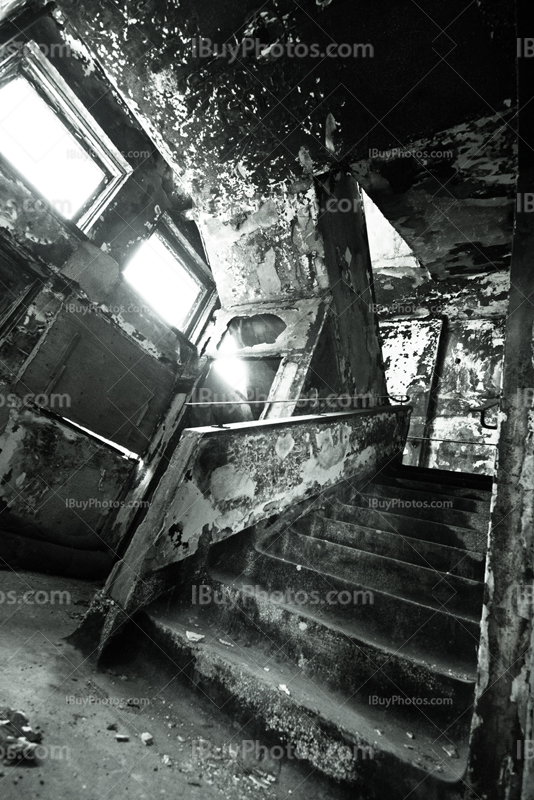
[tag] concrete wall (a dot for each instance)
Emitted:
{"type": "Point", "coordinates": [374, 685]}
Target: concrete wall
{"type": "Point", "coordinates": [502, 733]}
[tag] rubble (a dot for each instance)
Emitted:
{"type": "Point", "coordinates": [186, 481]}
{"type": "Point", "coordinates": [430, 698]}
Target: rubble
{"type": "Point", "coordinates": [17, 738]}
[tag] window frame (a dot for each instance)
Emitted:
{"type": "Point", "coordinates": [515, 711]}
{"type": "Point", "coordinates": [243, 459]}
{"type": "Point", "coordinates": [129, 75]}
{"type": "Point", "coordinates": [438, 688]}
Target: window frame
{"type": "Point", "coordinates": [197, 269]}
{"type": "Point", "coordinates": [29, 62]}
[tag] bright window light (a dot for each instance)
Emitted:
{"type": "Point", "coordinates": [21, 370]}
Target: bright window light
{"type": "Point", "coordinates": [231, 369]}
{"type": "Point", "coordinates": [162, 280]}
{"type": "Point", "coordinates": [39, 145]}
{"type": "Point", "coordinates": [387, 247]}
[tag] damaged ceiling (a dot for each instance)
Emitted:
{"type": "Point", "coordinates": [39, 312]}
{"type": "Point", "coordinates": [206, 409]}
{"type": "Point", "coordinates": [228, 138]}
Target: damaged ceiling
{"type": "Point", "coordinates": [240, 129]}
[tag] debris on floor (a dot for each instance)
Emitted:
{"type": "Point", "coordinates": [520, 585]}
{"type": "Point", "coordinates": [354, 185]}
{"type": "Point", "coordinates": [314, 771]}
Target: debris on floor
{"type": "Point", "coordinates": [18, 740]}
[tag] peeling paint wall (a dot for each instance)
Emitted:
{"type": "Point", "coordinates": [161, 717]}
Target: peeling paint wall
{"type": "Point", "coordinates": [60, 480]}
{"type": "Point", "coordinates": [74, 275]}
{"type": "Point", "coordinates": [206, 114]}
{"type": "Point", "coordinates": [455, 208]}
{"type": "Point", "coordinates": [410, 350]}
{"type": "Point", "coordinates": [220, 482]}
{"type": "Point", "coordinates": [470, 374]}
{"type": "Point", "coordinates": [273, 253]}
{"type": "Point", "coordinates": [499, 764]}
{"type": "Point", "coordinates": [348, 262]}
{"type": "Point", "coordinates": [447, 368]}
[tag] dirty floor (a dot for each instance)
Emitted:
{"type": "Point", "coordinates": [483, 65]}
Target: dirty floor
{"type": "Point", "coordinates": [81, 709]}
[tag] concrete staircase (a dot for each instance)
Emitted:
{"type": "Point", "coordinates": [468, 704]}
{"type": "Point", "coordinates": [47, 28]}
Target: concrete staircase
{"type": "Point", "coordinates": [352, 632]}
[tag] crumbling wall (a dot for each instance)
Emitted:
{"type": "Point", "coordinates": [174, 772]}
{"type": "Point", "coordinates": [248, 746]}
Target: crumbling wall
{"type": "Point", "coordinates": [470, 374]}
{"type": "Point", "coordinates": [68, 275]}
{"type": "Point", "coordinates": [447, 367]}
{"type": "Point", "coordinates": [221, 481]}
{"type": "Point", "coordinates": [62, 481]}
{"type": "Point", "coordinates": [500, 762]}
{"type": "Point", "coordinates": [454, 204]}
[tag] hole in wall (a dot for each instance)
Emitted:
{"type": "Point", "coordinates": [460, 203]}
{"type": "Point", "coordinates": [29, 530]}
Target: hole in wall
{"type": "Point", "coordinates": [235, 390]}
{"type": "Point", "coordinates": [259, 329]}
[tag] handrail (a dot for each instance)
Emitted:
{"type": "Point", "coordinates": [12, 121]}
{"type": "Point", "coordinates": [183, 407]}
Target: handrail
{"type": "Point", "coordinates": [454, 441]}
{"type": "Point", "coordinates": [483, 409]}
{"type": "Point", "coordinates": [321, 417]}
{"type": "Point", "coordinates": [299, 400]}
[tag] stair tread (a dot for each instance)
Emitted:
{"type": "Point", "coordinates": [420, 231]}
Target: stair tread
{"type": "Point", "coordinates": [386, 558]}
{"type": "Point", "coordinates": [447, 548]}
{"type": "Point", "coordinates": [482, 507]}
{"type": "Point", "coordinates": [457, 561]}
{"type": "Point", "coordinates": [452, 476]}
{"type": "Point", "coordinates": [449, 667]}
{"type": "Point", "coordinates": [475, 494]}
{"type": "Point", "coordinates": [357, 507]}
{"type": "Point", "coordinates": [391, 565]}
{"type": "Point", "coordinates": [400, 521]}
{"type": "Point", "coordinates": [357, 723]}
{"type": "Point", "coordinates": [446, 516]}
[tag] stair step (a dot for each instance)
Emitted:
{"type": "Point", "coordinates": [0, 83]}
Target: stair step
{"type": "Point", "coordinates": [465, 479]}
{"type": "Point", "coordinates": [480, 496]}
{"type": "Point", "coordinates": [411, 507]}
{"type": "Point", "coordinates": [466, 564]}
{"type": "Point", "coordinates": [406, 580]}
{"type": "Point", "coordinates": [319, 724]}
{"type": "Point", "coordinates": [408, 626]}
{"type": "Point", "coordinates": [448, 506]}
{"type": "Point", "coordinates": [430, 531]}
{"type": "Point", "coordinates": [346, 656]}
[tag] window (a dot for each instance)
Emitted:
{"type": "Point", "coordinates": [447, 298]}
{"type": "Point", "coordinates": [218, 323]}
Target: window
{"type": "Point", "coordinates": [49, 138]}
{"type": "Point", "coordinates": [168, 273]}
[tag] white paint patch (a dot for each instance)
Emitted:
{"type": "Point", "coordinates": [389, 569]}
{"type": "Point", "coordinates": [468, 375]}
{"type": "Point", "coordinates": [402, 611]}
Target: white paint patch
{"type": "Point", "coordinates": [268, 276]}
{"type": "Point", "coordinates": [229, 483]}
{"type": "Point", "coordinates": [284, 445]}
